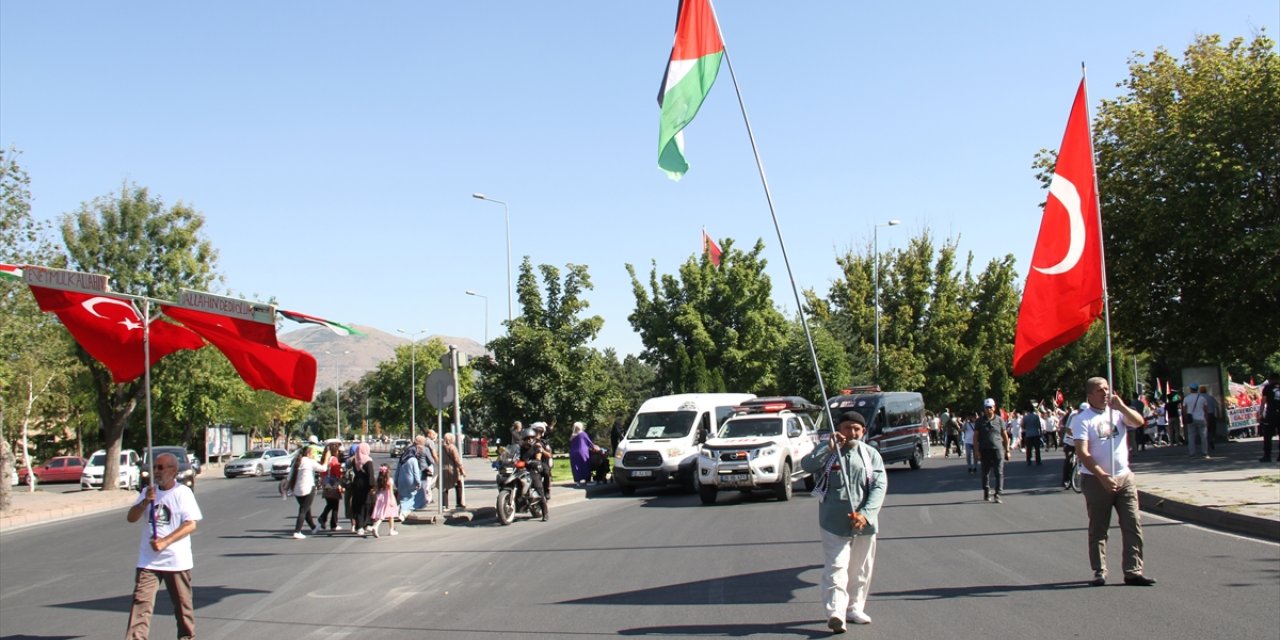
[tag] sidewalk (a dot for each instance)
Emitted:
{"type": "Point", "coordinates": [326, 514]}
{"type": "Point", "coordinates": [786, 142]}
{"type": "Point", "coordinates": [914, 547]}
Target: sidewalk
{"type": "Point", "coordinates": [1231, 491]}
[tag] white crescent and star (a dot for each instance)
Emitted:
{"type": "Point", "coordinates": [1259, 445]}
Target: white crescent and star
{"type": "Point", "coordinates": [91, 305]}
{"type": "Point", "coordinates": [1066, 193]}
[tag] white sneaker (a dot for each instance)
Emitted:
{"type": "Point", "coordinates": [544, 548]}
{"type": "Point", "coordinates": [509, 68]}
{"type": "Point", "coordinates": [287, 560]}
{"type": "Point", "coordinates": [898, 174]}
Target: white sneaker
{"type": "Point", "coordinates": [394, 532]}
{"type": "Point", "coordinates": [298, 535]}
{"type": "Point", "coordinates": [858, 617]}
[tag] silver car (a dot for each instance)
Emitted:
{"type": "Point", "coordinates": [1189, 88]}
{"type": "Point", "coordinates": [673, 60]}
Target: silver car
{"type": "Point", "coordinates": [253, 463]}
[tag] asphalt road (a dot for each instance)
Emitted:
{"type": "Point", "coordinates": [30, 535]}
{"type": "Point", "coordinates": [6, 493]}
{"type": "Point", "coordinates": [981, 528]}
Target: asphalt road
{"type": "Point", "coordinates": [656, 564]}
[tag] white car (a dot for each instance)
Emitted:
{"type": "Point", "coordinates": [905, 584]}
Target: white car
{"type": "Point", "coordinates": [759, 448]}
{"type": "Point", "coordinates": [280, 465]}
{"type": "Point", "coordinates": [253, 463]}
{"type": "Point", "coordinates": [91, 477]}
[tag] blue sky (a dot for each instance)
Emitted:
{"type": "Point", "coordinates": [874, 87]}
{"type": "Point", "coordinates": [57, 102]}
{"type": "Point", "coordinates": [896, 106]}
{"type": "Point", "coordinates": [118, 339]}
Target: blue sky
{"type": "Point", "coordinates": [333, 147]}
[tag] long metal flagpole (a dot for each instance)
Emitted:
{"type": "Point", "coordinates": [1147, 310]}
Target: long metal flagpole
{"type": "Point", "coordinates": [146, 383]}
{"type": "Point", "coordinates": [1102, 257]}
{"type": "Point", "coordinates": [764, 181]}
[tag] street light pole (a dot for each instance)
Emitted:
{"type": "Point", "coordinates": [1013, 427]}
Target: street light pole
{"type": "Point", "coordinates": [875, 267]}
{"type": "Point", "coordinates": [413, 378]}
{"type": "Point", "coordinates": [486, 315]}
{"type": "Point", "coordinates": [507, 218]}
{"type": "Point", "coordinates": [337, 393]}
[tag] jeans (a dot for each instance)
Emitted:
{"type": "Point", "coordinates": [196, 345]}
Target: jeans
{"type": "Point", "coordinates": [1197, 431]}
{"type": "Point", "coordinates": [304, 512]}
{"type": "Point", "coordinates": [968, 456]}
{"type": "Point", "coordinates": [992, 460]}
{"type": "Point", "coordinates": [330, 511]}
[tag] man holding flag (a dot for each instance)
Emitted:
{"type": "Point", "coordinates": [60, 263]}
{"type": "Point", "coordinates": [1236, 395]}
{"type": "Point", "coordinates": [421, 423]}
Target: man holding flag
{"type": "Point", "coordinates": [1101, 432]}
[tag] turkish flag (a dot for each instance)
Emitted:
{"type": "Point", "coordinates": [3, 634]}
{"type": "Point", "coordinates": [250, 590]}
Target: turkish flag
{"type": "Point", "coordinates": [712, 250]}
{"type": "Point", "coordinates": [261, 360]}
{"type": "Point", "coordinates": [110, 330]}
{"type": "Point", "coordinates": [1063, 295]}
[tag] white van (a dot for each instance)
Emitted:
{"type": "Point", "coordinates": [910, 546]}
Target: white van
{"type": "Point", "coordinates": [661, 445]}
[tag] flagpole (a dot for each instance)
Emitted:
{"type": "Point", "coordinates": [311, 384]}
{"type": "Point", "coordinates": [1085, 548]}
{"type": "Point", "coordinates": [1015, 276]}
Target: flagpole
{"type": "Point", "coordinates": [1102, 257]}
{"type": "Point", "coordinates": [146, 383]}
{"type": "Point", "coordinates": [764, 181]}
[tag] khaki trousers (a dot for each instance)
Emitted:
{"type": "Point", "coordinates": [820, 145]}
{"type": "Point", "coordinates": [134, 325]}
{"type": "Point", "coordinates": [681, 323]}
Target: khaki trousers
{"type": "Point", "coordinates": [846, 575]}
{"type": "Point", "coordinates": [1099, 502]}
{"type": "Point", "coordinates": [146, 583]}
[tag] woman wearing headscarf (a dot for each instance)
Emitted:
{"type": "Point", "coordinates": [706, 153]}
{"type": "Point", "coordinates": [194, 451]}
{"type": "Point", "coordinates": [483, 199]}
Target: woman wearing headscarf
{"type": "Point", "coordinates": [451, 467]}
{"type": "Point", "coordinates": [580, 448]}
{"type": "Point", "coordinates": [361, 485]}
{"type": "Point", "coordinates": [331, 484]}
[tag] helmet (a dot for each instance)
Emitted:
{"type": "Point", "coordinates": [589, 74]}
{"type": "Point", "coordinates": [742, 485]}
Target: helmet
{"type": "Point", "coordinates": [525, 434]}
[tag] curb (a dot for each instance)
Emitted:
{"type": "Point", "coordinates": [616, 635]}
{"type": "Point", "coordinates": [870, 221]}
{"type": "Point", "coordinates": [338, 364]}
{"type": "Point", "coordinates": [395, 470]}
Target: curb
{"type": "Point", "coordinates": [24, 520]}
{"type": "Point", "coordinates": [1208, 516]}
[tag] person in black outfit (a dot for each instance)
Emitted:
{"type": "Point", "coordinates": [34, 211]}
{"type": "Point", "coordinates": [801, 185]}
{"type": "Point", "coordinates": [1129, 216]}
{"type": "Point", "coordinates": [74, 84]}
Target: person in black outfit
{"type": "Point", "coordinates": [616, 434]}
{"type": "Point", "coordinates": [1032, 430]}
{"type": "Point", "coordinates": [531, 452]}
{"type": "Point", "coordinates": [991, 441]}
{"type": "Point", "coordinates": [361, 485]}
{"type": "Point", "coordinates": [1270, 418]}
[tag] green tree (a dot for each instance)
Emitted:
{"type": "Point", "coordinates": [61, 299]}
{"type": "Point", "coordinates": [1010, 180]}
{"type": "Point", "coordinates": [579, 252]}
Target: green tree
{"type": "Point", "coordinates": [36, 371]}
{"type": "Point", "coordinates": [795, 366]}
{"type": "Point", "coordinates": [993, 300]}
{"type": "Point", "coordinates": [148, 249]}
{"type": "Point", "coordinates": [543, 369]}
{"type": "Point", "coordinates": [715, 328]}
{"type": "Point", "coordinates": [1189, 175]}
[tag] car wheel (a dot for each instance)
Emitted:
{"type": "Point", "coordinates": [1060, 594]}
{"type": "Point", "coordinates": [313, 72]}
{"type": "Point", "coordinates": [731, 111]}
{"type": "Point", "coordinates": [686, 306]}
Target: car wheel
{"type": "Point", "coordinates": [782, 490]}
{"type": "Point", "coordinates": [707, 493]}
{"type": "Point", "coordinates": [917, 456]}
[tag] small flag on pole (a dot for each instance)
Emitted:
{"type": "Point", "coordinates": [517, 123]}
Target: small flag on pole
{"type": "Point", "coordinates": [691, 70]}
{"type": "Point", "coordinates": [10, 272]}
{"type": "Point", "coordinates": [710, 248]}
{"type": "Point", "coordinates": [340, 329]}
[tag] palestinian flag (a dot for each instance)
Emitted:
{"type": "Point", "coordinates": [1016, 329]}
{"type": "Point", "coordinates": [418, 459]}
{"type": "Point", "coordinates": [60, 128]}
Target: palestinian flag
{"type": "Point", "coordinates": [340, 329]}
{"type": "Point", "coordinates": [10, 272]}
{"type": "Point", "coordinates": [692, 69]}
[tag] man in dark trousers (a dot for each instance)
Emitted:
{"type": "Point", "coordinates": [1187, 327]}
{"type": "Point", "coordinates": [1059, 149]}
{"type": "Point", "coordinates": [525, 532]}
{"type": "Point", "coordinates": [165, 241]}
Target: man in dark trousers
{"type": "Point", "coordinates": [1269, 419]}
{"type": "Point", "coordinates": [1032, 428]}
{"type": "Point", "coordinates": [991, 442]}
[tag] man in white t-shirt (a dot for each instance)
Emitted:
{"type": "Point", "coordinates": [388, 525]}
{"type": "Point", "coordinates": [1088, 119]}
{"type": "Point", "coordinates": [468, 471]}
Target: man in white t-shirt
{"type": "Point", "coordinates": [1102, 444]}
{"type": "Point", "coordinates": [164, 554]}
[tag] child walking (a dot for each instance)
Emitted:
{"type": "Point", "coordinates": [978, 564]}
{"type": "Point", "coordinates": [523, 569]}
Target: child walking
{"type": "Point", "coordinates": [385, 506]}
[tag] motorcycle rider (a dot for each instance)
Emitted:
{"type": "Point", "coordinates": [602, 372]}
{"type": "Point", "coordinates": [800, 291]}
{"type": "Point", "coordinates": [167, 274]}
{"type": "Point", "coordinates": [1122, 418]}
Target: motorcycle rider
{"type": "Point", "coordinates": [532, 453]}
{"type": "Point", "coordinates": [540, 428]}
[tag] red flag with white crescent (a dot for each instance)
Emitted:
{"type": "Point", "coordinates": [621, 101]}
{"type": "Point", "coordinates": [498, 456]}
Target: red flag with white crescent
{"type": "Point", "coordinates": [1063, 295]}
{"type": "Point", "coordinates": [110, 329]}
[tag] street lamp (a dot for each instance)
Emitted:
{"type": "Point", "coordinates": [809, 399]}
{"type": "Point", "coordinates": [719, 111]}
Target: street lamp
{"type": "Point", "coordinates": [413, 378]}
{"type": "Point", "coordinates": [337, 393]}
{"type": "Point", "coordinates": [486, 315]}
{"type": "Point", "coordinates": [507, 217]}
{"type": "Point", "coordinates": [875, 235]}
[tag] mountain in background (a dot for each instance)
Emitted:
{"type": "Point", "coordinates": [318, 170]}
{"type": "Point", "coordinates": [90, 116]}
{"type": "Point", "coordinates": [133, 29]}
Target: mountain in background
{"type": "Point", "coordinates": [365, 351]}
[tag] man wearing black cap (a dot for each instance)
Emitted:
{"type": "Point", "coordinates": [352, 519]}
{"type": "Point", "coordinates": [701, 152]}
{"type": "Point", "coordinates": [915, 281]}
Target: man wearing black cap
{"type": "Point", "coordinates": [991, 441]}
{"type": "Point", "coordinates": [850, 487]}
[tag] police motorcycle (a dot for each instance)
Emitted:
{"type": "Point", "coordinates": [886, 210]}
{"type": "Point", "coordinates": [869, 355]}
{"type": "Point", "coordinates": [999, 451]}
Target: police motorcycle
{"type": "Point", "coordinates": [516, 489]}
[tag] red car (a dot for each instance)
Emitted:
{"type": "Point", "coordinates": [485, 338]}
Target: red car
{"type": "Point", "coordinates": [59, 469]}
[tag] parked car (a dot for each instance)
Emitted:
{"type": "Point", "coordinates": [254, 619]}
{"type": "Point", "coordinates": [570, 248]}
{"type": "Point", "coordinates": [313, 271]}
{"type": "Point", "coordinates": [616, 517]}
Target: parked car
{"type": "Point", "coordinates": [91, 477]}
{"type": "Point", "coordinates": [280, 466]}
{"type": "Point", "coordinates": [253, 463]}
{"type": "Point", "coordinates": [59, 469]}
{"type": "Point", "coordinates": [186, 472]}
{"type": "Point", "coordinates": [398, 446]}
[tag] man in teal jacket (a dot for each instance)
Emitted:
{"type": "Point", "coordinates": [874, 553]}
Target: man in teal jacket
{"type": "Point", "coordinates": [850, 486]}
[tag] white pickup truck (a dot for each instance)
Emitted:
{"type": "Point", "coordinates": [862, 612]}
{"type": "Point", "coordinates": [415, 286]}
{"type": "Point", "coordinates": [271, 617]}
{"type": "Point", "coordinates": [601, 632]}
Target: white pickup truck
{"type": "Point", "coordinates": [760, 447]}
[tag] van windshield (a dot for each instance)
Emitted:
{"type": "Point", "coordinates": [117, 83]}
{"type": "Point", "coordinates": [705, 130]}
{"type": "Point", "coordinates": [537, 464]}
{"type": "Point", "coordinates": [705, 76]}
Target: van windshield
{"type": "Point", "coordinates": [753, 428]}
{"type": "Point", "coordinates": [661, 425]}
{"type": "Point", "coordinates": [866, 410]}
